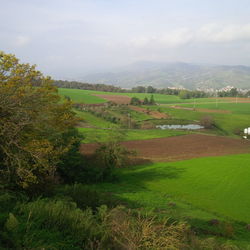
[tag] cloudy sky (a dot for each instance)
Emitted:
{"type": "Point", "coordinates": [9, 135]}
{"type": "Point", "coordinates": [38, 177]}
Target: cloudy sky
{"type": "Point", "coordinates": [70, 38]}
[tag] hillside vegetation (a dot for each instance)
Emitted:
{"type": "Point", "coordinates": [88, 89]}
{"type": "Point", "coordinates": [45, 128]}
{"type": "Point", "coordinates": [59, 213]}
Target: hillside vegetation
{"type": "Point", "coordinates": [162, 75]}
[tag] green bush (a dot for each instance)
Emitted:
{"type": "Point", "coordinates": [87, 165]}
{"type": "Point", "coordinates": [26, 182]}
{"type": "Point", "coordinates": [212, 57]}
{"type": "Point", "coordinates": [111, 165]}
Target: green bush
{"type": "Point", "coordinates": [53, 224]}
{"type": "Point", "coordinates": [85, 196]}
{"type": "Point", "coordinates": [108, 157]}
{"type": "Point", "coordinates": [60, 224]}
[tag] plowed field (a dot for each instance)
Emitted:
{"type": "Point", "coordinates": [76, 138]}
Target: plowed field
{"type": "Point", "coordinates": [182, 147]}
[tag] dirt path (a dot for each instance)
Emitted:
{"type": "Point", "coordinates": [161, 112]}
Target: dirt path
{"type": "Point", "coordinates": [182, 147]}
{"type": "Point", "coordinates": [119, 99]}
{"type": "Point", "coordinates": [154, 114]}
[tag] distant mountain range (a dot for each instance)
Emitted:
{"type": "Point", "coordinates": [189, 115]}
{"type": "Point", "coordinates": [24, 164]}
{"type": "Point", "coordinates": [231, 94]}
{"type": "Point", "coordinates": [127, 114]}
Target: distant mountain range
{"type": "Point", "coordinates": [186, 75]}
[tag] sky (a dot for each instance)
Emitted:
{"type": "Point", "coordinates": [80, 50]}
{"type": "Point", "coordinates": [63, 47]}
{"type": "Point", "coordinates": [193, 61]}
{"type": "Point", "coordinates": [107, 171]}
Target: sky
{"type": "Point", "coordinates": [68, 39]}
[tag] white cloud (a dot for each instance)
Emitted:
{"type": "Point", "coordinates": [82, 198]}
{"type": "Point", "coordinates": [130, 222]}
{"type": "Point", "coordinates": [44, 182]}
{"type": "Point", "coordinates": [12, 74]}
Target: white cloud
{"type": "Point", "coordinates": [210, 33]}
{"type": "Point", "coordinates": [217, 33]}
{"type": "Point", "coordinates": [171, 39]}
{"type": "Point", "coordinates": [22, 41]}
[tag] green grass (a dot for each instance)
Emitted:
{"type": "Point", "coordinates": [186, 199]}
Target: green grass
{"type": "Point", "coordinates": [214, 186]}
{"type": "Point", "coordinates": [87, 96]}
{"type": "Point", "coordinates": [202, 189]}
{"type": "Point", "coordinates": [228, 123]}
{"type": "Point", "coordinates": [235, 108]}
{"type": "Point", "coordinates": [92, 120]}
{"type": "Point", "coordinates": [80, 96]}
{"type": "Point", "coordinates": [103, 135]}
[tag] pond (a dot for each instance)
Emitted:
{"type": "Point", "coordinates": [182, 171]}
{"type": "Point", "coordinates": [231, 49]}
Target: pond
{"type": "Point", "coordinates": [188, 126]}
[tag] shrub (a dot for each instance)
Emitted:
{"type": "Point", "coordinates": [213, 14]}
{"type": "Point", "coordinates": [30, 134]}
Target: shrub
{"type": "Point", "coordinates": [85, 196]}
{"type": "Point", "coordinates": [60, 224]}
{"type": "Point", "coordinates": [135, 101]}
{"type": "Point", "coordinates": [109, 156]}
{"type": "Point", "coordinates": [207, 121]}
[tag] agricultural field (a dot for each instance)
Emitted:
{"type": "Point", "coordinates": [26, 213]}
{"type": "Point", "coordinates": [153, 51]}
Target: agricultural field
{"type": "Point", "coordinates": [92, 135]}
{"type": "Point", "coordinates": [80, 96]}
{"type": "Point", "coordinates": [196, 176]}
{"type": "Point", "coordinates": [197, 190]}
{"type": "Point", "coordinates": [90, 96]}
{"type": "Point", "coordinates": [229, 117]}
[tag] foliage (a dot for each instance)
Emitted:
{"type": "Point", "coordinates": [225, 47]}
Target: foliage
{"type": "Point", "coordinates": [152, 100]}
{"type": "Point", "coordinates": [207, 121]}
{"type": "Point", "coordinates": [33, 125]}
{"type": "Point", "coordinates": [135, 101]}
{"type": "Point", "coordinates": [87, 86]}
{"type": "Point", "coordinates": [72, 162]}
{"type": "Point", "coordinates": [109, 156]}
{"type": "Point", "coordinates": [145, 101]}
{"type": "Point", "coordinates": [60, 224]}
{"type": "Point", "coordinates": [86, 196]}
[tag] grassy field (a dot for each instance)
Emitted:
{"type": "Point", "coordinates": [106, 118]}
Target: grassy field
{"type": "Point", "coordinates": [92, 120]}
{"type": "Point", "coordinates": [103, 135]}
{"type": "Point", "coordinates": [218, 185]}
{"type": "Point", "coordinates": [87, 96]}
{"type": "Point", "coordinates": [80, 96]}
{"type": "Point", "coordinates": [228, 123]}
{"type": "Point", "coordinates": [235, 108]}
{"type": "Point", "coordinates": [201, 189]}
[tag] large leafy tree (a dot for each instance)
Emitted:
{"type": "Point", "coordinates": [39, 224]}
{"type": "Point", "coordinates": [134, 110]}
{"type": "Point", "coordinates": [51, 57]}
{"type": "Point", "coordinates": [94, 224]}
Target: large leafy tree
{"type": "Point", "coordinates": [34, 124]}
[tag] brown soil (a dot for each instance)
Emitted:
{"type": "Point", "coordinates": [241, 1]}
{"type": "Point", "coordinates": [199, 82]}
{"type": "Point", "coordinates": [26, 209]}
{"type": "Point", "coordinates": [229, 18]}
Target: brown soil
{"type": "Point", "coordinates": [119, 99]}
{"type": "Point", "coordinates": [204, 110]}
{"type": "Point", "coordinates": [182, 147]}
{"type": "Point", "coordinates": [154, 114]}
{"type": "Point", "coordinates": [180, 107]}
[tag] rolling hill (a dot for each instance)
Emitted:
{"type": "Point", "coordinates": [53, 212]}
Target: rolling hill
{"type": "Point", "coordinates": [161, 75]}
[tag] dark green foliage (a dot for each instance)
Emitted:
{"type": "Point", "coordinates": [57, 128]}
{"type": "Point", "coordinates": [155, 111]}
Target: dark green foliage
{"type": "Point", "coordinates": [207, 121]}
{"type": "Point", "coordinates": [67, 98]}
{"type": "Point", "coordinates": [151, 101]}
{"type": "Point", "coordinates": [109, 156]}
{"type": "Point", "coordinates": [150, 89]}
{"type": "Point", "coordinates": [87, 86]}
{"type": "Point", "coordinates": [72, 162]}
{"type": "Point", "coordinates": [145, 101]}
{"type": "Point", "coordinates": [51, 224]}
{"type": "Point", "coordinates": [187, 94]}
{"type": "Point", "coordinates": [135, 101]}
{"type": "Point", "coordinates": [231, 93]}
{"type": "Point", "coordinates": [86, 196]}
{"type": "Point", "coordinates": [139, 89]}
{"type": "Point", "coordinates": [61, 224]}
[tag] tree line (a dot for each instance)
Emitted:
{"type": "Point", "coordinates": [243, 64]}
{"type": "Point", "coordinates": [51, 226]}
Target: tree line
{"type": "Point", "coordinates": [87, 86]}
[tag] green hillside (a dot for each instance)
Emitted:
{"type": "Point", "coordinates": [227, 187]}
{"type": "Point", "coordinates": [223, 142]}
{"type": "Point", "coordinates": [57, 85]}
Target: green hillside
{"type": "Point", "coordinates": [216, 185]}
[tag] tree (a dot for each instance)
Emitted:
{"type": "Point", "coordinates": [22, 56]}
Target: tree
{"type": "Point", "coordinates": [109, 156]}
{"type": "Point", "coordinates": [150, 89]}
{"type": "Point", "coordinates": [145, 101]}
{"type": "Point", "coordinates": [152, 101]}
{"type": "Point", "coordinates": [184, 94]}
{"type": "Point", "coordinates": [207, 122]}
{"type": "Point", "coordinates": [139, 89]}
{"type": "Point", "coordinates": [34, 124]}
{"type": "Point", "coordinates": [135, 101]}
